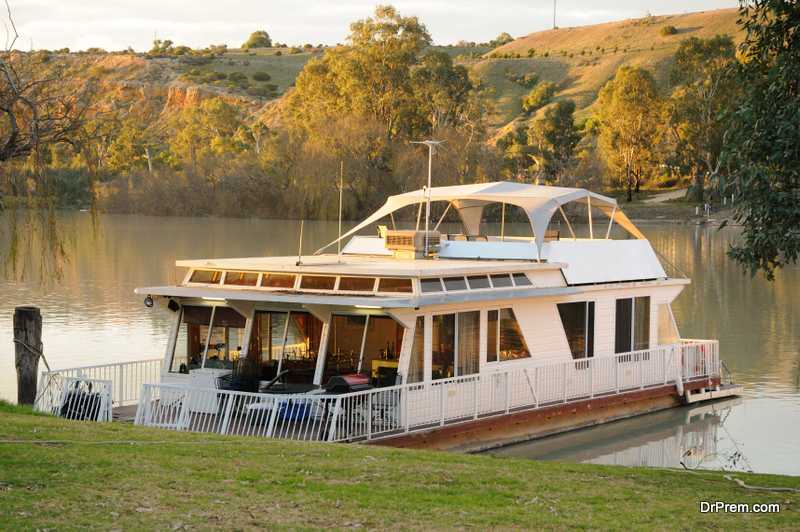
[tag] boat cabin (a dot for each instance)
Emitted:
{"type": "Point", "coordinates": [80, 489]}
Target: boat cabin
{"type": "Point", "coordinates": [415, 305]}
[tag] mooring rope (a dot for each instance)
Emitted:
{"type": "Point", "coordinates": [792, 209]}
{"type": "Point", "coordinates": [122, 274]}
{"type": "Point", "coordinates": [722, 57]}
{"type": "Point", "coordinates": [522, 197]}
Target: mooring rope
{"type": "Point", "coordinates": [35, 350]}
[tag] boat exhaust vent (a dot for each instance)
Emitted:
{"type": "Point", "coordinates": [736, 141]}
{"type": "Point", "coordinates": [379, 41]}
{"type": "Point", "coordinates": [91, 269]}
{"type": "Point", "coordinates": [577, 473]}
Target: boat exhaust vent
{"type": "Point", "coordinates": [404, 243]}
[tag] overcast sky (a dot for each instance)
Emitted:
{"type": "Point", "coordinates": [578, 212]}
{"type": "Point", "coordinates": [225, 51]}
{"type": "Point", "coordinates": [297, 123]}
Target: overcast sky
{"type": "Point", "coordinates": [117, 24]}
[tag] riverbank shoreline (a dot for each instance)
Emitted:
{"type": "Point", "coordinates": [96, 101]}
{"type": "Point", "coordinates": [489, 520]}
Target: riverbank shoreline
{"type": "Point", "coordinates": [114, 476]}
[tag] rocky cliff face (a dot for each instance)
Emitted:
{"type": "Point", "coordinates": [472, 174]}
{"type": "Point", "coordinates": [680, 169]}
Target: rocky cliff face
{"type": "Point", "coordinates": [151, 98]}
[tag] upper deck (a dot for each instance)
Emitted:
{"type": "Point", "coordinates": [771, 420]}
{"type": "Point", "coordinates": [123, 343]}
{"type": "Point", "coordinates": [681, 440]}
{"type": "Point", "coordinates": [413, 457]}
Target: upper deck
{"type": "Point", "coordinates": [413, 267]}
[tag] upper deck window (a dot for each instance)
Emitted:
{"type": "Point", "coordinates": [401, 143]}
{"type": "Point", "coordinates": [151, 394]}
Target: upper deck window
{"type": "Point", "coordinates": [520, 279]}
{"type": "Point", "coordinates": [452, 284]}
{"type": "Point", "coordinates": [501, 280]}
{"type": "Point", "coordinates": [206, 276]}
{"type": "Point", "coordinates": [431, 284]}
{"type": "Point", "coordinates": [277, 280]}
{"type": "Point", "coordinates": [478, 281]}
{"type": "Point", "coordinates": [395, 285]}
{"type": "Point", "coordinates": [241, 278]}
{"type": "Point", "coordinates": [357, 284]}
{"type": "Point", "coordinates": [317, 282]}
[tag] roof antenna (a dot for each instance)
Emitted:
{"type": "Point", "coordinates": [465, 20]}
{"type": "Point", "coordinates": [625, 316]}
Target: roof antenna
{"type": "Point", "coordinates": [341, 187]}
{"type": "Point", "coordinates": [300, 251]}
{"type": "Point", "coordinates": [430, 144]}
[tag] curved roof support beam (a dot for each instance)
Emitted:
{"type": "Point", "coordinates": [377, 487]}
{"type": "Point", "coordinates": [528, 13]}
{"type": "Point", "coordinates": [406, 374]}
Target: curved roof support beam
{"type": "Point", "coordinates": [540, 202]}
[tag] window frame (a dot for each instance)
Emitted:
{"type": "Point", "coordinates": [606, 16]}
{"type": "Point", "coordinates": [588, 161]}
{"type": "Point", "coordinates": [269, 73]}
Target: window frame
{"type": "Point", "coordinates": [499, 360]}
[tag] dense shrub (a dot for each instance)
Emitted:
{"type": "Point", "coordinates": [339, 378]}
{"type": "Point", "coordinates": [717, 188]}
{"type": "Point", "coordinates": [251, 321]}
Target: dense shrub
{"type": "Point", "coordinates": [531, 79]}
{"type": "Point", "coordinates": [666, 31]}
{"type": "Point", "coordinates": [538, 97]}
{"type": "Point", "coordinates": [261, 76]}
{"type": "Point", "coordinates": [237, 77]}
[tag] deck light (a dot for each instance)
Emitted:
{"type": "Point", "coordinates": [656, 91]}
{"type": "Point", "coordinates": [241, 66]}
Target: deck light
{"type": "Point", "coordinates": [148, 302]}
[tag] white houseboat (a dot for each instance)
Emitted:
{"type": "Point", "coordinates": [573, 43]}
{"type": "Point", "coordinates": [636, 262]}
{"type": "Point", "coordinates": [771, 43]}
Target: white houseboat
{"type": "Point", "coordinates": [414, 337]}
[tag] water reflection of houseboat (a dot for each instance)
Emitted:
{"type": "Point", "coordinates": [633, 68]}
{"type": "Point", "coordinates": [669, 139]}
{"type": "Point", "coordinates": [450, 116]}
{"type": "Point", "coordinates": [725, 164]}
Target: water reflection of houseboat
{"type": "Point", "coordinates": [412, 337]}
{"type": "Point", "coordinates": [686, 436]}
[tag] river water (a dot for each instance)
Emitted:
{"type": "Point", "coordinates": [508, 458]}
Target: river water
{"type": "Point", "coordinates": [93, 317]}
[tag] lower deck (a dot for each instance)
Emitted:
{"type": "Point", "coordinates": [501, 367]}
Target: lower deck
{"type": "Point", "coordinates": [406, 414]}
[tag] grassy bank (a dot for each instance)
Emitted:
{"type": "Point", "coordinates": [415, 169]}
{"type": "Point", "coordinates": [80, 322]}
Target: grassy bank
{"type": "Point", "coordinates": [152, 479]}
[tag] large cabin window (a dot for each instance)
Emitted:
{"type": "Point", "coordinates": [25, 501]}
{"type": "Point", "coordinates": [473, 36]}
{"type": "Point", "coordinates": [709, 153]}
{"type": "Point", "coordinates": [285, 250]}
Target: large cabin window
{"type": "Point", "coordinates": [382, 350]}
{"type": "Point", "coordinates": [344, 346]}
{"type": "Point", "coordinates": [667, 330]}
{"type": "Point", "coordinates": [221, 329]}
{"type": "Point", "coordinates": [382, 339]}
{"type": "Point", "coordinates": [504, 337]}
{"type": "Point", "coordinates": [286, 341]}
{"type": "Point", "coordinates": [578, 322]}
{"type": "Point", "coordinates": [455, 344]}
{"type": "Point", "coordinates": [416, 367]}
{"type": "Point", "coordinates": [302, 347]}
{"type": "Point", "coordinates": [632, 330]}
{"type": "Point", "coordinates": [267, 339]}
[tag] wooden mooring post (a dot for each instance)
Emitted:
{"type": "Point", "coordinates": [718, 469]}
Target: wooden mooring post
{"type": "Point", "coordinates": [28, 349]}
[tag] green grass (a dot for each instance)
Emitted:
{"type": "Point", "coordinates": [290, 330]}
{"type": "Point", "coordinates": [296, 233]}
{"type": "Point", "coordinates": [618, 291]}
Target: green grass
{"type": "Point", "coordinates": [154, 479]}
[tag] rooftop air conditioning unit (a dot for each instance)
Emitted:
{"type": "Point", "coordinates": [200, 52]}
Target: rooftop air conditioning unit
{"type": "Point", "coordinates": [410, 244]}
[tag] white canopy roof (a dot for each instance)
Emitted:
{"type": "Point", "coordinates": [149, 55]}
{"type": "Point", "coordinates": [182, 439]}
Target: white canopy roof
{"type": "Point", "coordinates": [539, 202]}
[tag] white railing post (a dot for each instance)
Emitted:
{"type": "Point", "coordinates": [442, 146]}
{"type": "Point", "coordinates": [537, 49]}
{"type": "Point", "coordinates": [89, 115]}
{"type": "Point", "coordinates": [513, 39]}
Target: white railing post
{"type": "Point", "coordinates": [369, 416]}
{"type": "Point", "coordinates": [229, 398]}
{"type": "Point", "coordinates": [475, 398]}
{"type": "Point", "coordinates": [183, 416]}
{"type": "Point", "coordinates": [441, 405]}
{"type": "Point", "coordinates": [333, 423]}
{"type": "Point", "coordinates": [591, 378]}
{"type": "Point", "coordinates": [144, 406]}
{"type": "Point", "coordinates": [508, 391]}
{"type": "Point", "coordinates": [565, 381]}
{"type": "Point", "coordinates": [121, 392]}
{"type": "Point", "coordinates": [641, 371]}
{"type": "Point", "coordinates": [40, 391]}
{"type": "Point", "coordinates": [405, 408]}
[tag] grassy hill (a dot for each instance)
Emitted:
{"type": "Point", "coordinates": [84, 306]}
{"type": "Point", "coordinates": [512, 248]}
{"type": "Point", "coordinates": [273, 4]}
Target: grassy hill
{"type": "Point", "coordinates": [593, 61]}
{"type": "Point", "coordinates": [579, 61]}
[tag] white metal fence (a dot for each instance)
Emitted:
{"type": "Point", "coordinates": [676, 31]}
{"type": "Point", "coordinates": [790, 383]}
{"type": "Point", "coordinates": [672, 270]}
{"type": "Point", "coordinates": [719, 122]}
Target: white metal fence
{"type": "Point", "coordinates": [74, 398]}
{"type": "Point", "coordinates": [413, 407]}
{"type": "Point", "coordinates": [126, 378]}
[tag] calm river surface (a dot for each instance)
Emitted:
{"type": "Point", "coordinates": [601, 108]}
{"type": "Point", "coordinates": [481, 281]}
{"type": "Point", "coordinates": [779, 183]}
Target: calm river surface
{"type": "Point", "coordinates": [94, 317]}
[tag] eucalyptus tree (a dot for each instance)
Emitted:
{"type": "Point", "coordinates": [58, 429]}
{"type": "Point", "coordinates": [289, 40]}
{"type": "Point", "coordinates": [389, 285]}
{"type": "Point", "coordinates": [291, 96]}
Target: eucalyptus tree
{"type": "Point", "coordinates": [258, 39]}
{"type": "Point", "coordinates": [369, 76]}
{"type": "Point", "coordinates": [439, 97]}
{"type": "Point", "coordinates": [763, 151]}
{"type": "Point", "coordinates": [213, 128]}
{"type": "Point", "coordinates": [561, 136]}
{"type": "Point", "coordinates": [704, 73]}
{"type": "Point", "coordinates": [631, 113]}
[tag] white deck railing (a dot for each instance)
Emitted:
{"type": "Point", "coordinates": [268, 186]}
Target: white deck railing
{"type": "Point", "coordinates": [125, 378]}
{"type": "Point", "coordinates": [414, 407]}
{"type": "Point", "coordinates": [74, 398]}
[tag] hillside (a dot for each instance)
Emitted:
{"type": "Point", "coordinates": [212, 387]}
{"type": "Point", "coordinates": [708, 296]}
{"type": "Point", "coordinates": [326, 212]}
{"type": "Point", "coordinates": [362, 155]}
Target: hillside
{"type": "Point", "coordinates": [159, 87]}
{"type": "Point", "coordinates": [581, 76]}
